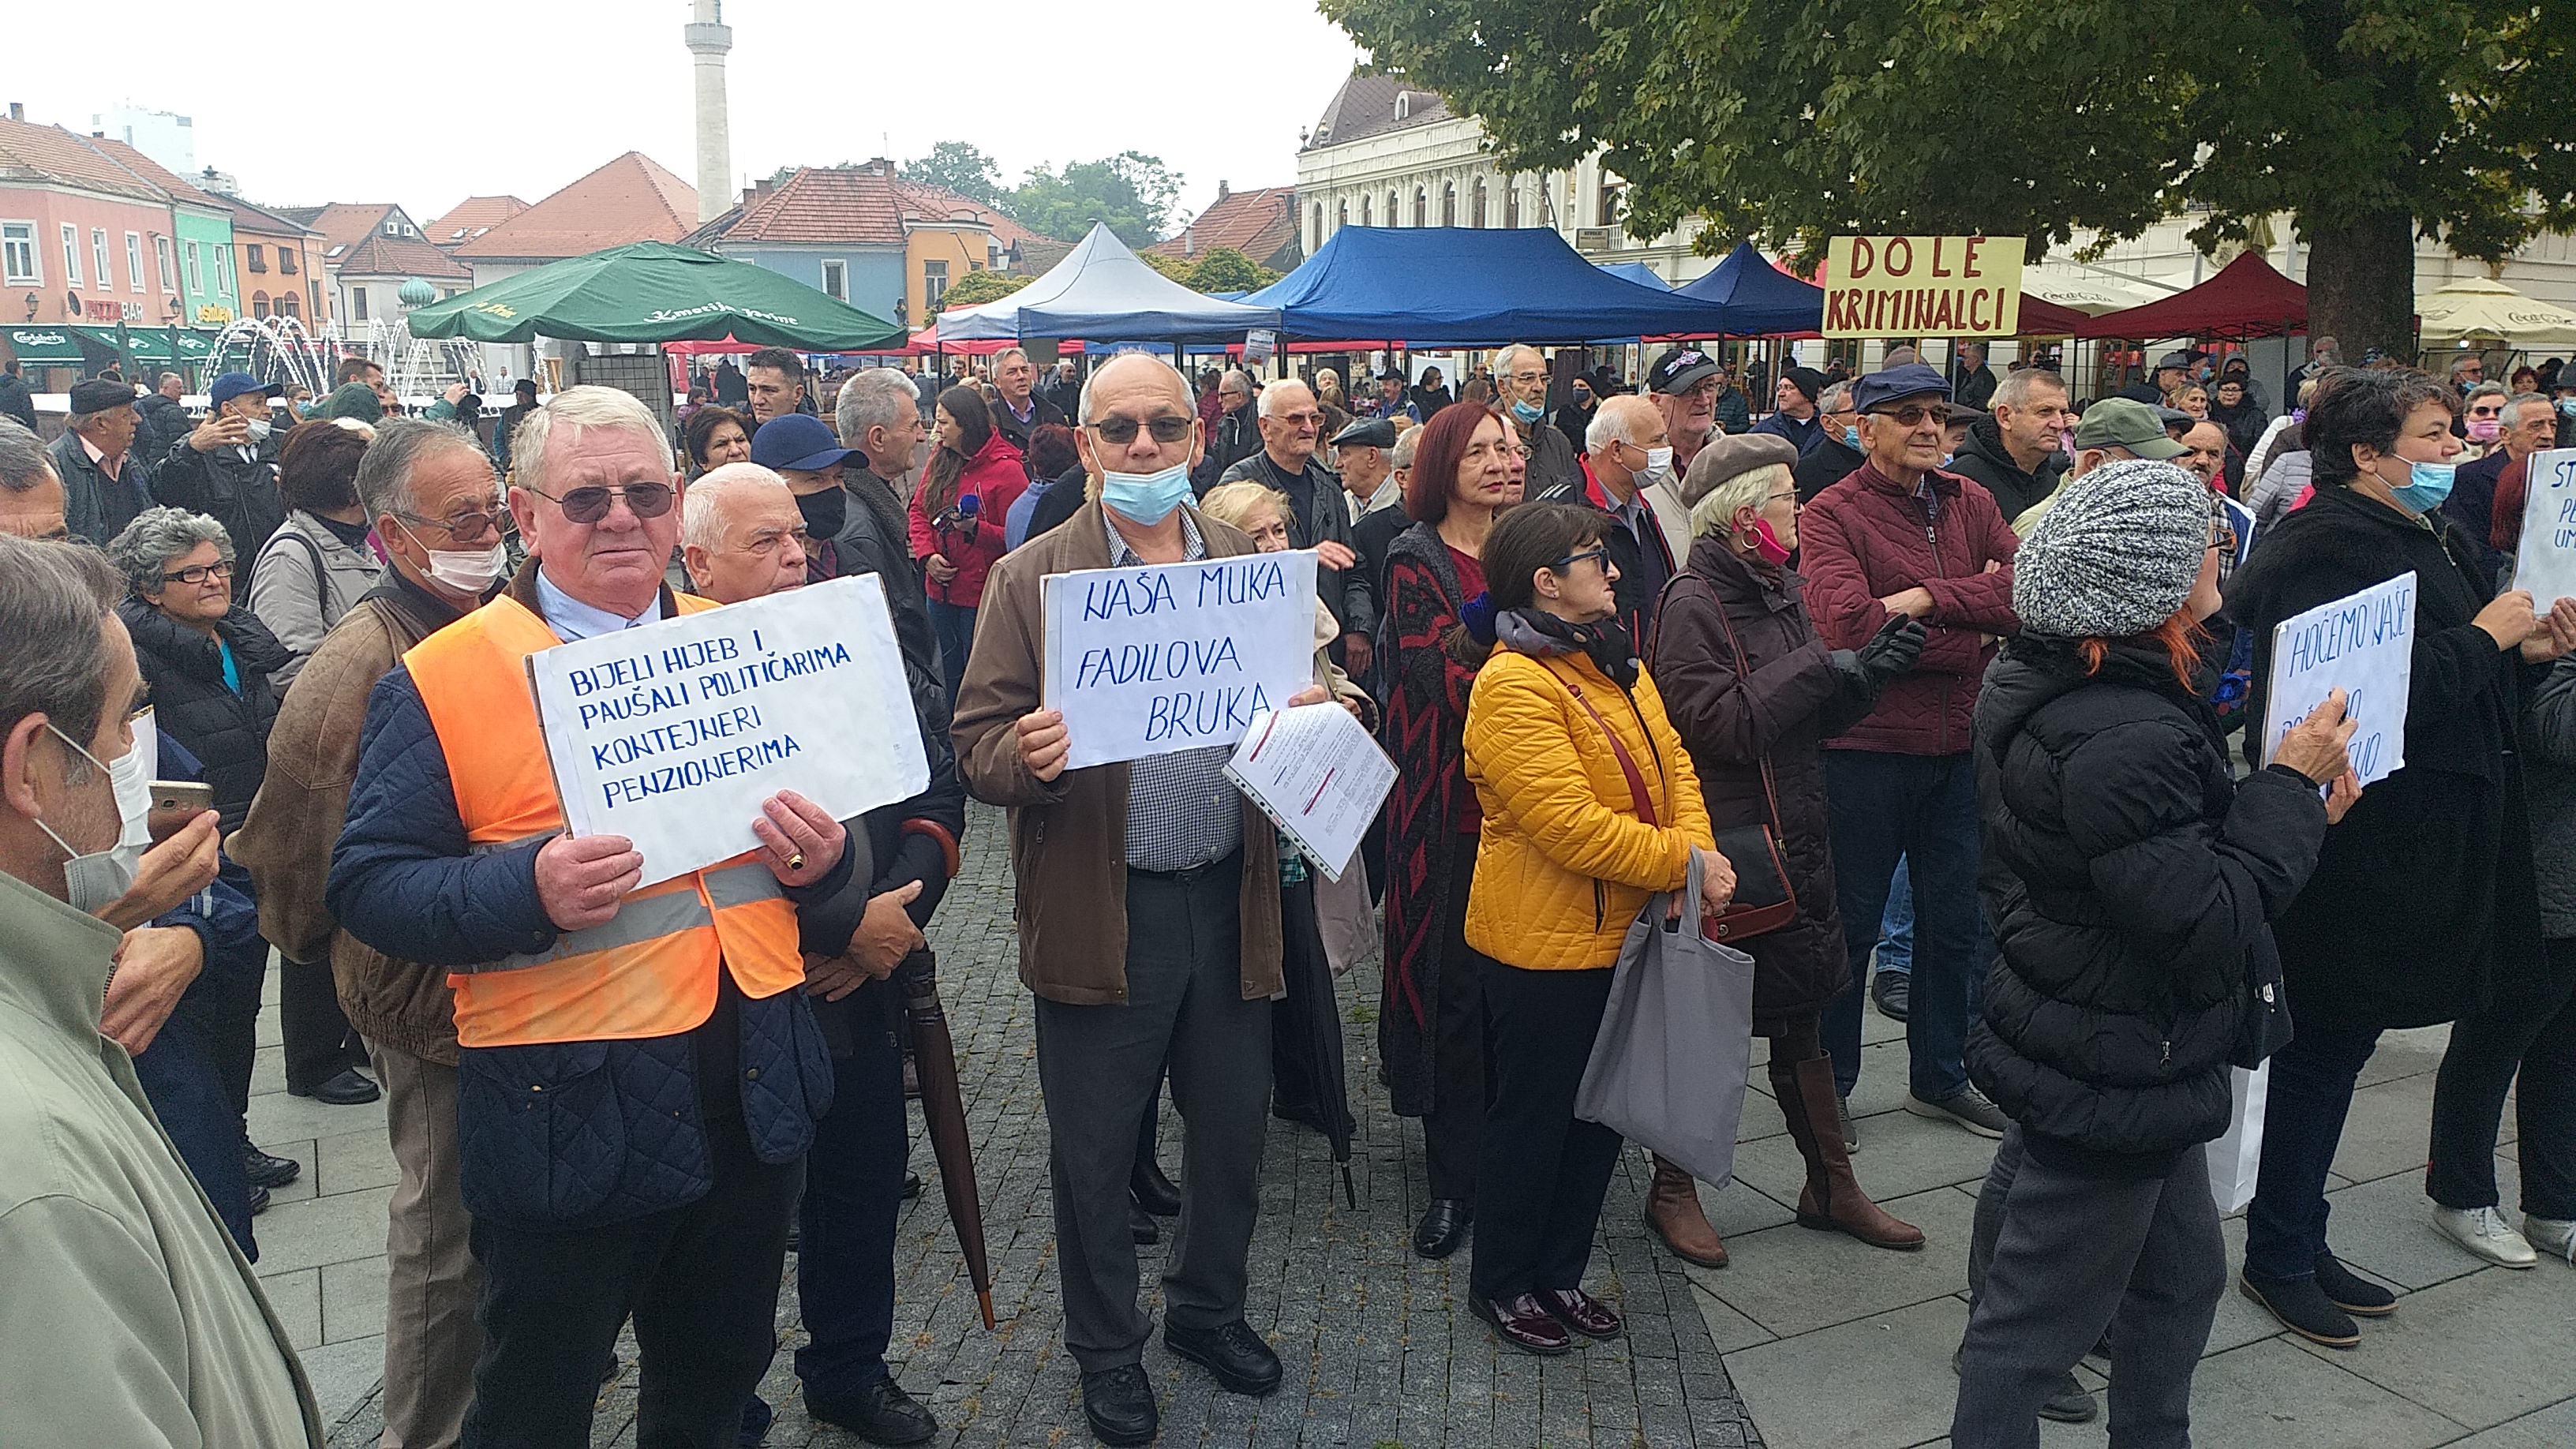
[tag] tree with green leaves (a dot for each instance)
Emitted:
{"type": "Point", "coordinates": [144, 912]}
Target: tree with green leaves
{"type": "Point", "coordinates": [2368, 122]}
{"type": "Point", "coordinates": [1223, 269]}
{"type": "Point", "coordinates": [962, 167]}
{"type": "Point", "coordinates": [1131, 191]}
{"type": "Point", "coordinates": [975, 288]}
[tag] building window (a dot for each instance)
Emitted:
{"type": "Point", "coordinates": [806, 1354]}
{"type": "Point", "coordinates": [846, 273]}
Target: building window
{"type": "Point", "coordinates": [317, 297]}
{"type": "Point", "coordinates": [259, 304]}
{"type": "Point", "coordinates": [934, 283]}
{"type": "Point", "coordinates": [1609, 206]}
{"type": "Point", "coordinates": [357, 304]}
{"type": "Point", "coordinates": [393, 226]}
{"type": "Point", "coordinates": [71, 256]}
{"type": "Point", "coordinates": [1449, 203]}
{"type": "Point", "coordinates": [1342, 212]}
{"type": "Point", "coordinates": [258, 257]}
{"type": "Point", "coordinates": [1364, 211]}
{"type": "Point", "coordinates": [288, 305]}
{"type": "Point", "coordinates": [286, 260]}
{"type": "Point", "coordinates": [1478, 216]}
{"type": "Point", "coordinates": [1393, 217]}
{"type": "Point", "coordinates": [18, 254]}
{"type": "Point", "coordinates": [1316, 237]}
{"type": "Point", "coordinates": [134, 260]}
{"type": "Point", "coordinates": [1421, 206]}
{"type": "Point", "coordinates": [1511, 206]}
{"type": "Point", "coordinates": [196, 270]}
{"type": "Point", "coordinates": [99, 266]}
{"type": "Point", "coordinates": [161, 256]}
{"type": "Point", "coordinates": [224, 272]}
{"type": "Point", "coordinates": [836, 279]}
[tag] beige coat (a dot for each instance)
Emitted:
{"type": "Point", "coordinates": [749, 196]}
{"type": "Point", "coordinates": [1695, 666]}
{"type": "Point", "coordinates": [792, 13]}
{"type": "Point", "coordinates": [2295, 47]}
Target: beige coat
{"type": "Point", "coordinates": [127, 1316]}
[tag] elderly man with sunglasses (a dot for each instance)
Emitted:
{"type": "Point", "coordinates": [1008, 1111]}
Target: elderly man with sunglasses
{"type": "Point", "coordinates": [1900, 537]}
{"type": "Point", "coordinates": [639, 1072]}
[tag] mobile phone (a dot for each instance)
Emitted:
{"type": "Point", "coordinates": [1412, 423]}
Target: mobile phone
{"type": "Point", "coordinates": [175, 803]}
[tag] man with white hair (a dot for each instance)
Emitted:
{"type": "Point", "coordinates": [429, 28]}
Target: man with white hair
{"type": "Point", "coordinates": [639, 1070]}
{"type": "Point", "coordinates": [1520, 386]}
{"type": "Point", "coordinates": [877, 419]}
{"type": "Point", "coordinates": [1625, 453]}
{"type": "Point", "coordinates": [1291, 421]}
{"type": "Point", "coordinates": [741, 534]}
{"type": "Point", "coordinates": [1385, 517]}
{"type": "Point", "coordinates": [1149, 929]}
{"type": "Point", "coordinates": [1024, 410]}
{"type": "Point", "coordinates": [31, 496]}
{"type": "Point", "coordinates": [1234, 435]}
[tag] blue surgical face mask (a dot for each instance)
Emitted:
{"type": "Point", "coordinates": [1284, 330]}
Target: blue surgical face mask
{"type": "Point", "coordinates": [1528, 412]}
{"type": "Point", "coordinates": [2427, 484]}
{"type": "Point", "coordinates": [1146, 498]}
{"type": "Point", "coordinates": [1851, 436]}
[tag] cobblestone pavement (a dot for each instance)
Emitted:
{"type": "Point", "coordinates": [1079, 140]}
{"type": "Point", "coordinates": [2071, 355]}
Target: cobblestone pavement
{"type": "Point", "coordinates": [1379, 1346]}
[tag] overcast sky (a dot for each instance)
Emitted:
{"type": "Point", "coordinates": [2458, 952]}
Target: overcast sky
{"type": "Point", "coordinates": [427, 104]}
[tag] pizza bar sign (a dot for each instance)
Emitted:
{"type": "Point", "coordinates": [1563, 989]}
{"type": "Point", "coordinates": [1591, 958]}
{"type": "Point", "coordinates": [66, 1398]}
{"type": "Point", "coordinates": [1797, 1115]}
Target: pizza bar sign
{"type": "Point", "coordinates": [1923, 286]}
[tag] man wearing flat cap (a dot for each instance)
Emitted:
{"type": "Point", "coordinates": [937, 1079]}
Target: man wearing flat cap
{"type": "Point", "coordinates": [226, 468]}
{"type": "Point", "coordinates": [104, 483]}
{"type": "Point", "coordinates": [1795, 417]}
{"type": "Point", "coordinates": [1900, 536]}
{"type": "Point", "coordinates": [2170, 371]}
{"type": "Point", "coordinates": [1362, 452]}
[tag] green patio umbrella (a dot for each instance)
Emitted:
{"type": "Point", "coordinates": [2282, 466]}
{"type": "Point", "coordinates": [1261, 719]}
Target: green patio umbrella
{"type": "Point", "coordinates": [654, 292]}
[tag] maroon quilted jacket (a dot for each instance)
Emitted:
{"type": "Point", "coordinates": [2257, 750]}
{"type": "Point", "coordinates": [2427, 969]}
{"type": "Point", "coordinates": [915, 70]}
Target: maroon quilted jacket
{"type": "Point", "coordinates": [1868, 537]}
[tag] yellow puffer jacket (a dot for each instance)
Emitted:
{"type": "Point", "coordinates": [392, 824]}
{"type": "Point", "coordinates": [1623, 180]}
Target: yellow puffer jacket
{"type": "Point", "coordinates": [1565, 863]}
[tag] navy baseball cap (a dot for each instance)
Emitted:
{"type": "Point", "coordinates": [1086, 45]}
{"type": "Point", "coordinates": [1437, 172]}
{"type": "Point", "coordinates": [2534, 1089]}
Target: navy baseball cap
{"type": "Point", "coordinates": [1889, 384]}
{"type": "Point", "coordinates": [239, 384]}
{"type": "Point", "coordinates": [794, 440]}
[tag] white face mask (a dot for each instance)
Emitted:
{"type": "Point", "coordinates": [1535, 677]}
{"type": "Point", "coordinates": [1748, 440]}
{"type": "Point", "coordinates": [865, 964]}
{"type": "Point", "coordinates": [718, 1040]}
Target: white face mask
{"type": "Point", "coordinates": [466, 570]}
{"type": "Point", "coordinates": [1659, 465]}
{"type": "Point", "coordinates": [93, 881]}
{"type": "Point", "coordinates": [131, 774]}
{"type": "Point", "coordinates": [259, 430]}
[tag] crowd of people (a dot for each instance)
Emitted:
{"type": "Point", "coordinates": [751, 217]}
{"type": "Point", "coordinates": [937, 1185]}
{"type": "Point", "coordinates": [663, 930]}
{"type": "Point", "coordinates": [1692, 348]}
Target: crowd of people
{"type": "Point", "coordinates": [1957, 660]}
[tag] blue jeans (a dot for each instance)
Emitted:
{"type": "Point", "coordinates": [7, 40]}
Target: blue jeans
{"type": "Point", "coordinates": [1921, 809]}
{"type": "Point", "coordinates": [1896, 928]}
{"type": "Point", "coordinates": [187, 1093]}
{"type": "Point", "coordinates": [853, 1190]}
{"type": "Point", "coordinates": [2303, 1112]}
{"type": "Point", "coordinates": [954, 626]}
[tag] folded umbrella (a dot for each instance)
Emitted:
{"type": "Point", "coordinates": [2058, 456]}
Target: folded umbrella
{"type": "Point", "coordinates": [943, 1110]}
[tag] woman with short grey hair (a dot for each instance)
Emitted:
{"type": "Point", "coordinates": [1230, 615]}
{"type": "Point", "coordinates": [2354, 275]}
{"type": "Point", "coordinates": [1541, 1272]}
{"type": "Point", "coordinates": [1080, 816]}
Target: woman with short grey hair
{"type": "Point", "coordinates": [318, 563]}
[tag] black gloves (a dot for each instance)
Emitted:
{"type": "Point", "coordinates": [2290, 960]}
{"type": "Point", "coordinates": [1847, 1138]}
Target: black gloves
{"type": "Point", "coordinates": [1888, 656]}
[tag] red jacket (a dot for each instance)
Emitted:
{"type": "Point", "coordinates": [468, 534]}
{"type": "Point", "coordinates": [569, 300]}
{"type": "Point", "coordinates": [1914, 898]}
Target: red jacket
{"type": "Point", "coordinates": [1868, 537]}
{"type": "Point", "coordinates": [995, 478]}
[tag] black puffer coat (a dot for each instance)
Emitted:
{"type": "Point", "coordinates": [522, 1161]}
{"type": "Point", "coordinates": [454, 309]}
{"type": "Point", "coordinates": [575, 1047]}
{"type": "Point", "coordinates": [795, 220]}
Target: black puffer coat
{"type": "Point", "coordinates": [2128, 877]}
{"type": "Point", "coordinates": [227, 731]}
{"type": "Point", "coordinates": [1791, 702]}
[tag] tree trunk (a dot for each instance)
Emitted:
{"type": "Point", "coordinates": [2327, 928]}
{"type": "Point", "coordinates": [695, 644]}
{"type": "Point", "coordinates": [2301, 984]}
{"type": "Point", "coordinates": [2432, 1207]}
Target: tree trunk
{"type": "Point", "coordinates": [2361, 283]}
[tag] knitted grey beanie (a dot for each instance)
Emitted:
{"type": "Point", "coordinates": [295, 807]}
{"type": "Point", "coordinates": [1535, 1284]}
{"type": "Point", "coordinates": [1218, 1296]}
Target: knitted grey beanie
{"type": "Point", "coordinates": [2115, 554]}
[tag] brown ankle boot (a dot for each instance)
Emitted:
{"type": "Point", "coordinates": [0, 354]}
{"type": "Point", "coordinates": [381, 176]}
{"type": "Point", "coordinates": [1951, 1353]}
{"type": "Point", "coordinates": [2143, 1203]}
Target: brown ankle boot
{"type": "Point", "coordinates": [1832, 1199]}
{"type": "Point", "coordinates": [1672, 1209]}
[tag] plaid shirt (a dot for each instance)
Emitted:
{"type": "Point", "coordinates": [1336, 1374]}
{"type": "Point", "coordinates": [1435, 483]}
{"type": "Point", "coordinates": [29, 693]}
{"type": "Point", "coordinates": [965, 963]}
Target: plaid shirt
{"type": "Point", "coordinates": [1182, 812]}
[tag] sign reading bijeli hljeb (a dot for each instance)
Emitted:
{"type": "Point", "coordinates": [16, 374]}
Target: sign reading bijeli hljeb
{"type": "Point", "coordinates": [2362, 644]}
{"type": "Point", "coordinates": [672, 734]}
{"type": "Point", "coordinates": [2546, 565]}
{"type": "Point", "coordinates": [1165, 657]}
{"type": "Point", "coordinates": [1923, 286]}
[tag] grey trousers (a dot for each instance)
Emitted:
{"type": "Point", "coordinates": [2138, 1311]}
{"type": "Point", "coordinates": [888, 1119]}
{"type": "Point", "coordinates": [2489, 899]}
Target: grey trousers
{"type": "Point", "coordinates": [2074, 1255]}
{"type": "Point", "coordinates": [1097, 1066]}
{"type": "Point", "coordinates": [431, 1278]}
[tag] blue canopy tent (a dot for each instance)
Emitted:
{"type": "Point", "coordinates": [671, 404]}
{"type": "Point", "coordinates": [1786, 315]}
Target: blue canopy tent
{"type": "Point", "coordinates": [1101, 289]}
{"type": "Point", "coordinates": [1639, 273]}
{"type": "Point", "coordinates": [1470, 287]}
{"type": "Point", "coordinates": [1758, 298]}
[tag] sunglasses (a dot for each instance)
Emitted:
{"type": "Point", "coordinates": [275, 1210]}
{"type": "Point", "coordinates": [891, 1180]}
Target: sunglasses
{"type": "Point", "coordinates": [589, 505]}
{"type": "Point", "coordinates": [1912, 414]}
{"type": "Point", "coordinates": [1165, 429]}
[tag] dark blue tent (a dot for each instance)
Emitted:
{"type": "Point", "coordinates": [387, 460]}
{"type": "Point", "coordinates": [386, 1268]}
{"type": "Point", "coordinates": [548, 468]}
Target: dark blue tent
{"type": "Point", "coordinates": [1758, 298]}
{"type": "Point", "coordinates": [1469, 287]}
{"type": "Point", "coordinates": [1639, 273]}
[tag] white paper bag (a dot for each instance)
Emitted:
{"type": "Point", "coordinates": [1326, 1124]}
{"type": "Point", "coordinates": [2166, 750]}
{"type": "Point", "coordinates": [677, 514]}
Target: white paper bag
{"type": "Point", "coordinates": [2236, 1158]}
{"type": "Point", "coordinates": [1347, 917]}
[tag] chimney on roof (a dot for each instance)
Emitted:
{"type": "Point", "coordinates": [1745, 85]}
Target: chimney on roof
{"type": "Point", "coordinates": [1220, 191]}
{"type": "Point", "coordinates": [761, 187]}
{"type": "Point", "coordinates": [1189, 234]}
{"type": "Point", "coordinates": [17, 112]}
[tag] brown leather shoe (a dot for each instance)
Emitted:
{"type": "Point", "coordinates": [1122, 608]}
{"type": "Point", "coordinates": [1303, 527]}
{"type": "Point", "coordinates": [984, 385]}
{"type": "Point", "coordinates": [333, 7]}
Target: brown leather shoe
{"type": "Point", "coordinates": [1832, 1199]}
{"type": "Point", "coordinates": [1672, 1209]}
{"type": "Point", "coordinates": [1580, 1311]}
{"type": "Point", "coordinates": [1524, 1324]}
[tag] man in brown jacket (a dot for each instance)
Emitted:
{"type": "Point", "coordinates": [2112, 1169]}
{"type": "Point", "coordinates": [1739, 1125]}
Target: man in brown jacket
{"type": "Point", "coordinates": [430, 491]}
{"type": "Point", "coordinates": [1148, 913]}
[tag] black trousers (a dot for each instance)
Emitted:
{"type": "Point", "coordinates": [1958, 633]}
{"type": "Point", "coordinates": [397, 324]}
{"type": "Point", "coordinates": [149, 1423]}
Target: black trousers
{"type": "Point", "coordinates": [2537, 1043]}
{"type": "Point", "coordinates": [701, 1282]}
{"type": "Point", "coordinates": [1543, 1173]}
{"type": "Point", "coordinates": [1462, 1077]}
{"type": "Point", "coordinates": [319, 1044]}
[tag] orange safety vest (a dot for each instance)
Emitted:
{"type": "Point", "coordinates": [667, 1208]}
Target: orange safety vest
{"type": "Point", "coordinates": [651, 970]}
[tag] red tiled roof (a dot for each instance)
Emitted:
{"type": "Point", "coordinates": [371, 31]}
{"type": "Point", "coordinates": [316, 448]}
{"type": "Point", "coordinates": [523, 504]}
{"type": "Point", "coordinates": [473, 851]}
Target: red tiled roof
{"type": "Point", "coordinates": [400, 256]}
{"type": "Point", "coordinates": [630, 199]}
{"type": "Point", "coordinates": [260, 221]}
{"type": "Point", "coordinates": [846, 204]}
{"type": "Point", "coordinates": [923, 201]}
{"type": "Point", "coordinates": [1256, 223]}
{"type": "Point", "coordinates": [29, 152]}
{"type": "Point", "coordinates": [472, 217]}
{"type": "Point", "coordinates": [345, 223]}
{"type": "Point", "coordinates": [152, 171]}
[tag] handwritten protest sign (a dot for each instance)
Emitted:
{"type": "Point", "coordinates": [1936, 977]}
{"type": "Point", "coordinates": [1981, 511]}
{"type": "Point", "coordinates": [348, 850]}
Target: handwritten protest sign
{"type": "Point", "coordinates": [1913, 286]}
{"type": "Point", "coordinates": [2363, 645]}
{"type": "Point", "coordinates": [2547, 563]}
{"type": "Point", "coordinates": [672, 734]}
{"type": "Point", "coordinates": [1146, 661]}
{"type": "Point", "coordinates": [1319, 775]}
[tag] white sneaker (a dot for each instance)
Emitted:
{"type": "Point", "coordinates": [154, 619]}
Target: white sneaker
{"type": "Point", "coordinates": [2484, 1231]}
{"type": "Point", "coordinates": [2554, 1236]}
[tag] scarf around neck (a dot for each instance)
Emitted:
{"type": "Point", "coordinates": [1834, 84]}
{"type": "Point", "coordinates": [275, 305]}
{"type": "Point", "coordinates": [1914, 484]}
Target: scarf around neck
{"type": "Point", "coordinates": [1540, 633]}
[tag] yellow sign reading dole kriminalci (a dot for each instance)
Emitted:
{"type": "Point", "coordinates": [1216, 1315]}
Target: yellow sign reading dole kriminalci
{"type": "Point", "coordinates": [1923, 286]}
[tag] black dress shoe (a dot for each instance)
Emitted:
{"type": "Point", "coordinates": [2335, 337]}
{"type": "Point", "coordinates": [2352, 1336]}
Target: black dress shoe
{"type": "Point", "coordinates": [258, 1201]}
{"type": "Point", "coordinates": [1232, 1352]}
{"type": "Point", "coordinates": [1443, 1227]}
{"type": "Point", "coordinates": [1523, 1324]}
{"type": "Point", "coordinates": [911, 1186]}
{"type": "Point", "coordinates": [2351, 1292]}
{"type": "Point", "coordinates": [1891, 992]}
{"type": "Point", "coordinates": [267, 1171]}
{"type": "Point", "coordinates": [1154, 1192]}
{"type": "Point", "coordinates": [1142, 1227]}
{"type": "Point", "coordinates": [885, 1414]}
{"type": "Point", "coordinates": [1119, 1403]}
{"type": "Point", "coordinates": [1580, 1311]}
{"type": "Point", "coordinates": [2302, 1307]}
{"type": "Point", "coordinates": [757, 1416]}
{"type": "Point", "coordinates": [346, 1088]}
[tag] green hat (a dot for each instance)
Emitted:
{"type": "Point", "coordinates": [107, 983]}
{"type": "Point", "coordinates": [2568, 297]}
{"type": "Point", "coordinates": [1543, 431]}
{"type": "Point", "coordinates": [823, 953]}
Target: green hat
{"type": "Point", "coordinates": [2118, 422]}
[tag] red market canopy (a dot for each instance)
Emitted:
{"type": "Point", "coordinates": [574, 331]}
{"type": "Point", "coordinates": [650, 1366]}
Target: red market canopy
{"type": "Point", "coordinates": [2246, 299]}
{"type": "Point", "coordinates": [2041, 317]}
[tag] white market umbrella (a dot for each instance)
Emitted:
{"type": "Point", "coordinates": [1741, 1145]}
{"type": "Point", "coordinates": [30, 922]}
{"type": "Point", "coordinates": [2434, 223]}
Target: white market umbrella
{"type": "Point", "coordinates": [2479, 307]}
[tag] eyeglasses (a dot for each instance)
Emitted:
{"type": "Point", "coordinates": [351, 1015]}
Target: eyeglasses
{"type": "Point", "coordinates": [1165, 429]}
{"type": "Point", "coordinates": [1295, 419]}
{"type": "Point", "coordinates": [2487, 412]}
{"type": "Point", "coordinates": [1597, 552]}
{"type": "Point", "coordinates": [463, 525]}
{"type": "Point", "coordinates": [589, 505]}
{"type": "Point", "coordinates": [1912, 414]}
{"type": "Point", "coordinates": [198, 573]}
{"type": "Point", "coordinates": [1526, 378]}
